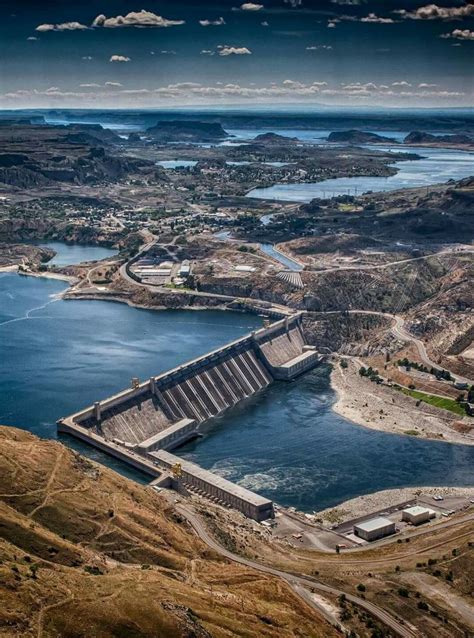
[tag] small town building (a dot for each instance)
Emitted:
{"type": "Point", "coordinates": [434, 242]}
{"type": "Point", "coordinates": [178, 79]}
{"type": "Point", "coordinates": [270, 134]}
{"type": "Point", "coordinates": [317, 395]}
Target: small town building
{"type": "Point", "coordinates": [374, 528]}
{"type": "Point", "coordinates": [417, 515]}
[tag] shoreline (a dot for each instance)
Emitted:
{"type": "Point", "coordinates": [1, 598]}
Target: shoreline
{"type": "Point", "coordinates": [390, 411]}
{"type": "Point", "coordinates": [372, 502]}
{"type": "Point", "coordinates": [46, 274]}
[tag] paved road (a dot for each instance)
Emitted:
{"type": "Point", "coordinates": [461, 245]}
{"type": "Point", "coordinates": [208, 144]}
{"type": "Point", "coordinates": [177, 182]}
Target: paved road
{"type": "Point", "coordinates": [399, 330]}
{"type": "Point", "coordinates": [457, 251]}
{"type": "Point", "coordinates": [296, 582]}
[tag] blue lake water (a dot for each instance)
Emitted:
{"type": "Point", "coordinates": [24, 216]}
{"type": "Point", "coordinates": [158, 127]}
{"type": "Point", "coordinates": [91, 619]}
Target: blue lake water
{"type": "Point", "coordinates": [436, 166]}
{"type": "Point", "coordinates": [70, 254]}
{"type": "Point", "coordinates": [287, 443]}
{"type": "Point", "coordinates": [177, 163]}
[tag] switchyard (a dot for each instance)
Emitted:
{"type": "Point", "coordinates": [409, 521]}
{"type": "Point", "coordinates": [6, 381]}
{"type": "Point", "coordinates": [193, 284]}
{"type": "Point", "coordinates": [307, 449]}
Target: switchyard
{"type": "Point", "coordinates": [143, 423]}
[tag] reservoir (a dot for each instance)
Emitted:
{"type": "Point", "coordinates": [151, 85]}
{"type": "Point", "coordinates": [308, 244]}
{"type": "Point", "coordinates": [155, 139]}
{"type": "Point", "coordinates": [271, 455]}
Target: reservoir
{"type": "Point", "coordinates": [286, 442]}
{"type": "Point", "coordinates": [437, 166]}
{"type": "Point", "coordinates": [70, 254]}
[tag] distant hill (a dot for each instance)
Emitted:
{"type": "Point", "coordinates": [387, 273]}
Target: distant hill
{"type": "Point", "coordinates": [87, 552]}
{"type": "Point", "coordinates": [358, 137]}
{"type": "Point", "coordinates": [274, 138]}
{"type": "Point", "coordinates": [420, 137]}
{"type": "Point", "coordinates": [187, 131]}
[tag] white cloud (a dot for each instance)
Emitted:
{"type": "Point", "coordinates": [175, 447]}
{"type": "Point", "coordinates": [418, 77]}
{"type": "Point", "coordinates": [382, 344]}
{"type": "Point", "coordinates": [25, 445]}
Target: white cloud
{"type": "Point", "coordinates": [113, 84]}
{"type": "Point", "coordinates": [196, 93]}
{"type": "Point", "coordinates": [207, 52]}
{"type": "Point", "coordinates": [434, 12]}
{"type": "Point", "coordinates": [227, 50]}
{"type": "Point", "coordinates": [332, 24]}
{"type": "Point", "coordinates": [377, 19]}
{"type": "Point", "coordinates": [425, 85]}
{"type": "Point", "coordinates": [63, 26]}
{"type": "Point", "coordinates": [401, 83]}
{"type": "Point", "coordinates": [264, 23]}
{"type": "Point", "coordinates": [459, 34]}
{"type": "Point", "coordinates": [319, 47]}
{"type": "Point", "coordinates": [135, 19]}
{"type": "Point", "coordinates": [32, 38]}
{"type": "Point", "coordinates": [87, 57]}
{"type": "Point", "coordinates": [119, 58]}
{"type": "Point", "coordinates": [212, 23]}
{"type": "Point", "coordinates": [90, 85]}
{"type": "Point", "coordinates": [251, 6]}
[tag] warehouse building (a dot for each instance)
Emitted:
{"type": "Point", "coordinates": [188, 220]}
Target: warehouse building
{"type": "Point", "coordinates": [374, 529]}
{"type": "Point", "coordinates": [417, 515]}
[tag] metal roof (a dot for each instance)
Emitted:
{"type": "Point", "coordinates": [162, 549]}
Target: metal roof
{"type": "Point", "coordinates": [374, 523]}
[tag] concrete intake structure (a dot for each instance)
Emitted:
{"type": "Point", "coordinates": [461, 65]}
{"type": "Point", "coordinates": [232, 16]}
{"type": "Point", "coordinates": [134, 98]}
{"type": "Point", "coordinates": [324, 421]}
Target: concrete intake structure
{"type": "Point", "coordinates": [157, 416]}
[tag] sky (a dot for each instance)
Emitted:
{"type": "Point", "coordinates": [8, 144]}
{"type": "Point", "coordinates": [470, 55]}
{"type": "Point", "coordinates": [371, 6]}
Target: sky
{"type": "Point", "coordinates": [174, 53]}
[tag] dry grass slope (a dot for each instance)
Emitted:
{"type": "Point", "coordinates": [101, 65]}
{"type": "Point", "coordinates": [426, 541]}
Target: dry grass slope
{"type": "Point", "coordinates": [85, 552]}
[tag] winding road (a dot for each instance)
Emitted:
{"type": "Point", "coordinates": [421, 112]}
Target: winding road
{"type": "Point", "coordinates": [299, 584]}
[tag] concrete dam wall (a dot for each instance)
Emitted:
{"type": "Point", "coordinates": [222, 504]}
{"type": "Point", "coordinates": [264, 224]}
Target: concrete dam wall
{"type": "Point", "coordinates": [167, 410]}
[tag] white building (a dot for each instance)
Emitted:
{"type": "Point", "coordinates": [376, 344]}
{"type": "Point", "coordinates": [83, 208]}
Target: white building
{"type": "Point", "coordinates": [417, 515]}
{"type": "Point", "coordinates": [374, 528]}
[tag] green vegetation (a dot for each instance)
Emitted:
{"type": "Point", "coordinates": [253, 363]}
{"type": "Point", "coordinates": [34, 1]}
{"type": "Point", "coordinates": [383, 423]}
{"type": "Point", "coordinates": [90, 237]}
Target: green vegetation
{"type": "Point", "coordinates": [371, 374]}
{"type": "Point", "coordinates": [411, 432]}
{"type": "Point", "coordinates": [437, 402]}
{"type": "Point", "coordinates": [437, 372]}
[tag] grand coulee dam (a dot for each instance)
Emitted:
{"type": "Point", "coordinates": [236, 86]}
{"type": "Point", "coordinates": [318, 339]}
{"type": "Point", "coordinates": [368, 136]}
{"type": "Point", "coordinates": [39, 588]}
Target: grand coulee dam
{"type": "Point", "coordinates": [142, 424]}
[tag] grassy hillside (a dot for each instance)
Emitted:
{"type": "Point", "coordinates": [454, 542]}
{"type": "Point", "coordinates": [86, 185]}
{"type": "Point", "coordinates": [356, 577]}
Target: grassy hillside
{"type": "Point", "coordinates": [86, 552]}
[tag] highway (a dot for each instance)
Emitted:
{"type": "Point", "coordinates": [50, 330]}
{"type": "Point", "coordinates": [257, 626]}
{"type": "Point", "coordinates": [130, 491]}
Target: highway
{"type": "Point", "coordinates": [299, 584]}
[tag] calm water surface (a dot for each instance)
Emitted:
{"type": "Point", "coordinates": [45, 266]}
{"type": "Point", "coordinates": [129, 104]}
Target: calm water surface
{"type": "Point", "coordinates": [70, 254]}
{"type": "Point", "coordinates": [58, 356]}
{"type": "Point", "coordinates": [436, 167]}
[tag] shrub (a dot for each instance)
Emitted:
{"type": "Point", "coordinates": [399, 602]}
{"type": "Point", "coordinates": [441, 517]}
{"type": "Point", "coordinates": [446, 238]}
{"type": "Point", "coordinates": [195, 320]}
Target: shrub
{"type": "Point", "coordinates": [361, 587]}
{"type": "Point", "coordinates": [403, 592]}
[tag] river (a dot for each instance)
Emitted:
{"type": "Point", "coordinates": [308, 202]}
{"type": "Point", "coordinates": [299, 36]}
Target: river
{"type": "Point", "coordinates": [437, 166]}
{"type": "Point", "coordinates": [287, 442]}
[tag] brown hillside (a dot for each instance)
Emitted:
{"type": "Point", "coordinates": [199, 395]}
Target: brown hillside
{"type": "Point", "coordinates": [86, 552]}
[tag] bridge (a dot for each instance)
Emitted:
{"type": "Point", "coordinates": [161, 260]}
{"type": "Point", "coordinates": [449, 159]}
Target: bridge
{"type": "Point", "coordinates": [143, 423]}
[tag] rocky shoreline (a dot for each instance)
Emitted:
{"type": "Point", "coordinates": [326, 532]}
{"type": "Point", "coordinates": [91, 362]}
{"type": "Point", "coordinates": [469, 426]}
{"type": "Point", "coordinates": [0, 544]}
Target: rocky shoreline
{"type": "Point", "coordinates": [386, 410]}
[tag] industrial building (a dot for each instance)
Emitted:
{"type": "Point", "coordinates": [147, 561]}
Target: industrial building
{"type": "Point", "coordinates": [375, 528]}
{"type": "Point", "coordinates": [417, 515]}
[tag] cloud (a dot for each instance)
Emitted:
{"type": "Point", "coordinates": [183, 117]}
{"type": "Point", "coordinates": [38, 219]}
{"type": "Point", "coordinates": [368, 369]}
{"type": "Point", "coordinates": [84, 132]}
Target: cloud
{"type": "Point", "coordinates": [401, 83]}
{"type": "Point", "coordinates": [377, 19]}
{"type": "Point", "coordinates": [87, 57]}
{"type": "Point", "coordinates": [135, 19]}
{"type": "Point", "coordinates": [332, 24]}
{"type": "Point", "coordinates": [225, 50]}
{"type": "Point", "coordinates": [194, 92]}
{"type": "Point", "coordinates": [62, 26]}
{"type": "Point", "coordinates": [319, 47]}
{"type": "Point", "coordinates": [251, 6]}
{"type": "Point", "coordinates": [119, 58]}
{"type": "Point", "coordinates": [351, 3]}
{"type": "Point", "coordinates": [425, 85]}
{"type": "Point", "coordinates": [90, 85]}
{"type": "Point", "coordinates": [212, 23]}
{"type": "Point", "coordinates": [459, 34]}
{"type": "Point", "coordinates": [207, 52]}
{"type": "Point", "coordinates": [113, 84]}
{"type": "Point", "coordinates": [264, 23]}
{"type": "Point", "coordinates": [32, 38]}
{"type": "Point", "coordinates": [434, 12]}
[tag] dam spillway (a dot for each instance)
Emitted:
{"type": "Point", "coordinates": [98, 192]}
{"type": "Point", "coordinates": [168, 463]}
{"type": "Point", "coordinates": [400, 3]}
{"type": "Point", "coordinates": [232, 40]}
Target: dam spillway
{"type": "Point", "coordinates": [164, 412]}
